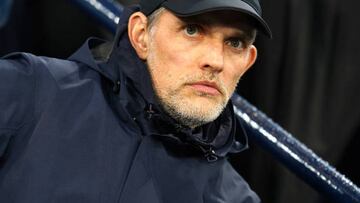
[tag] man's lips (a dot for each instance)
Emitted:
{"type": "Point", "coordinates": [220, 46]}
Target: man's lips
{"type": "Point", "coordinates": [207, 87]}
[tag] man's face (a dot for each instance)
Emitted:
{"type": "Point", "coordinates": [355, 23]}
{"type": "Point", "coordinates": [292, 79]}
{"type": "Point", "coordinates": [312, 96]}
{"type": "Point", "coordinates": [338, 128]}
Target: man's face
{"type": "Point", "coordinates": [196, 62]}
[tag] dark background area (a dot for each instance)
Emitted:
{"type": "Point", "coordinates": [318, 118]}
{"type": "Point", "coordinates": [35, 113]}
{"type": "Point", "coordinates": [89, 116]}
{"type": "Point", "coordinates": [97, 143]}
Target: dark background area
{"type": "Point", "coordinates": [306, 78]}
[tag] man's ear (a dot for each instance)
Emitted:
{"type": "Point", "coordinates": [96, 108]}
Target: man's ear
{"type": "Point", "coordinates": [138, 34]}
{"type": "Point", "coordinates": [252, 55]}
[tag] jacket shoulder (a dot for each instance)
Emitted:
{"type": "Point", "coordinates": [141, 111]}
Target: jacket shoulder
{"type": "Point", "coordinates": [17, 95]}
{"type": "Point", "coordinates": [231, 187]}
{"type": "Point", "coordinates": [27, 84]}
{"type": "Point", "coordinates": [17, 89]}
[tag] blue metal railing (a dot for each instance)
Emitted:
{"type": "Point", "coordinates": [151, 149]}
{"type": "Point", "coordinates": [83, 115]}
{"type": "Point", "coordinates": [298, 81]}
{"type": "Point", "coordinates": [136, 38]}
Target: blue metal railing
{"type": "Point", "coordinates": [295, 155]}
{"type": "Point", "coordinates": [5, 8]}
{"type": "Point", "coordinates": [107, 12]}
{"type": "Point", "coordinates": [281, 144]}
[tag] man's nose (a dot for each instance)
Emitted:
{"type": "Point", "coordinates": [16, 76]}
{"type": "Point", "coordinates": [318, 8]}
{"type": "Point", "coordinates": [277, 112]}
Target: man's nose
{"type": "Point", "coordinates": [212, 57]}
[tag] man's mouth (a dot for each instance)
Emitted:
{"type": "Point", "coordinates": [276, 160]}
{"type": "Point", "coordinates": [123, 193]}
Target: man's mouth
{"type": "Point", "coordinates": [206, 87]}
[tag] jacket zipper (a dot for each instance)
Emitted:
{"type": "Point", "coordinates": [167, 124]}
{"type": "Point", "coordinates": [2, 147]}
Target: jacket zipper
{"type": "Point", "coordinates": [209, 153]}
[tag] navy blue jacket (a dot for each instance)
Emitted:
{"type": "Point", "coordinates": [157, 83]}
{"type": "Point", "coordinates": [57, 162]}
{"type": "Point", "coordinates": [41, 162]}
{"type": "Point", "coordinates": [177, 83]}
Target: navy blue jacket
{"type": "Point", "coordinates": [82, 130]}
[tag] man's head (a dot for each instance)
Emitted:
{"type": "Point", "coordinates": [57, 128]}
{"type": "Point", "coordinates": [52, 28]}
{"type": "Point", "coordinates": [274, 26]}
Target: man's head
{"type": "Point", "coordinates": [195, 61]}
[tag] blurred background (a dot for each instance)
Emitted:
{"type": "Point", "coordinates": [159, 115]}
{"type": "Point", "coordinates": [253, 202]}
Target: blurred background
{"type": "Point", "coordinates": [307, 78]}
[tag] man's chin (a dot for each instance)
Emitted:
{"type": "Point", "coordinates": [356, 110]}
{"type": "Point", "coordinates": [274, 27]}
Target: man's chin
{"type": "Point", "coordinates": [193, 110]}
{"type": "Point", "coordinates": [199, 112]}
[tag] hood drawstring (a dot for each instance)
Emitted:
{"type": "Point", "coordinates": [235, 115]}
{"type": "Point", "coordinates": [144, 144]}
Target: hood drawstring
{"type": "Point", "coordinates": [116, 87]}
{"type": "Point", "coordinates": [209, 154]}
{"type": "Point", "coordinates": [150, 111]}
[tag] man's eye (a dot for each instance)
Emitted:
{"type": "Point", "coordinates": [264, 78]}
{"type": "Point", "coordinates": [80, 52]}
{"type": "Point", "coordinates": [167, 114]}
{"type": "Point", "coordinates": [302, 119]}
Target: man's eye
{"type": "Point", "coordinates": [236, 43]}
{"type": "Point", "coordinates": [191, 30]}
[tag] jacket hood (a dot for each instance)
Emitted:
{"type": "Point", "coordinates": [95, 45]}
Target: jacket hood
{"type": "Point", "coordinates": [136, 95]}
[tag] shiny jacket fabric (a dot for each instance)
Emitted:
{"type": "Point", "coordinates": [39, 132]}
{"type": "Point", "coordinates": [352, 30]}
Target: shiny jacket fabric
{"type": "Point", "coordinates": [82, 130]}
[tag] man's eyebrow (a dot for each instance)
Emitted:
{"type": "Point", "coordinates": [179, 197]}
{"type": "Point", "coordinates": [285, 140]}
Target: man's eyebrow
{"type": "Point", "coordinates": [241, 29]}
{"type": "Point", "coordinates": [194, 19]}
{"type": "Point", "coordinates": [238, 32]}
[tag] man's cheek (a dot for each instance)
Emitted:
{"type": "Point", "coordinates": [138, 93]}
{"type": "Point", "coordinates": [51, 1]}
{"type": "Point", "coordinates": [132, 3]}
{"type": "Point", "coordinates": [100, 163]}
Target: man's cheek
{"type": "Point", "coordinates": [232, 84]}
{"type": "Point", "coordinates": [181, 52]}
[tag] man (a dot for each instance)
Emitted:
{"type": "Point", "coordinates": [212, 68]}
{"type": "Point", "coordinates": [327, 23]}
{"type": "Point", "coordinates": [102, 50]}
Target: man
{"type": "Point", "coordinates": [150, 123]}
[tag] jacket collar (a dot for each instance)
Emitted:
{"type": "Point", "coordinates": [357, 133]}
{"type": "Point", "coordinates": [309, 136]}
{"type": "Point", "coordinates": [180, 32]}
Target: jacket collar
{"type": "Point", "coordinates": [217, 138]}
{"type": "Point", "coordinates": [84, 55]}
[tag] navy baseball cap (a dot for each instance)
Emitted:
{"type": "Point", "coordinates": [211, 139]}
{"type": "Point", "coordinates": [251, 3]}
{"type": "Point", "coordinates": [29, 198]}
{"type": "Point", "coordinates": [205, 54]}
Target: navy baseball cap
{"type": "Point", "coordinates": [186, 8]}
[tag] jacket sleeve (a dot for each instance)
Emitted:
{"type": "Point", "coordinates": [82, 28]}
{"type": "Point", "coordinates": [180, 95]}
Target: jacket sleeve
{"type": "Point", "coordinates": [17, 97]}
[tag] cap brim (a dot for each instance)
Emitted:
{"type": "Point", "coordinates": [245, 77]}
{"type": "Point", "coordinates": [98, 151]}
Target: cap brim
{"type": "Point", "coordinates": [180, 8]}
